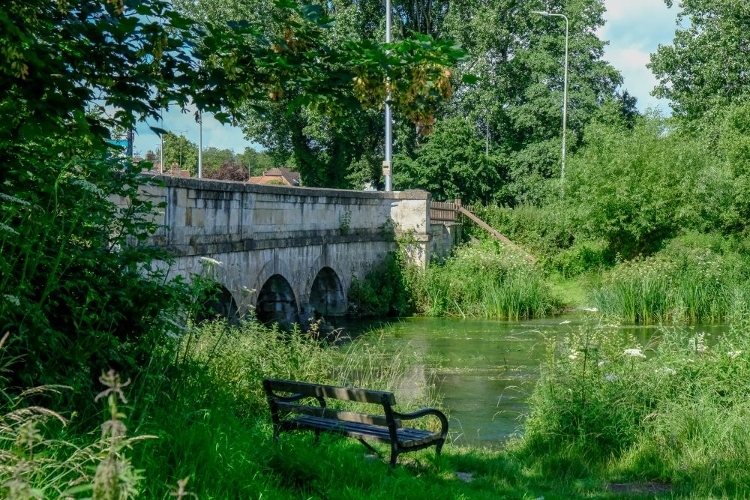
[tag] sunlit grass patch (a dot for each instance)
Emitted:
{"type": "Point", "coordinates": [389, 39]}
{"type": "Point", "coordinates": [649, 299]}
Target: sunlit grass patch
{"type": "Point", "coordinates": [675, 411]}
{"type": "Point", "coordinates": [485, 281]}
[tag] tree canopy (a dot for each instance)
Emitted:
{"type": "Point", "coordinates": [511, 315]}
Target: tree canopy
{"type": "Point", "coordinates": [77, 291]}
{"type": "Point", "coordinates": [705, 67]}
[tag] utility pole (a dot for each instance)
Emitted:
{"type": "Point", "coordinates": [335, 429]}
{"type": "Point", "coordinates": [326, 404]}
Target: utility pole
{"type": "Point", "coordinates": [388, 163]}
{"type": "Point", "coordinates": [565, 91]}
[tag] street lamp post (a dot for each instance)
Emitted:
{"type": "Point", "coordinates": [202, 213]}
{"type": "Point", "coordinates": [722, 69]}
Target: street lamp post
{"type": "Point", "coordinates": [388, 163]}
{"type": "Point", "coordinates": [565, 88]}
{"type": "Point", "coordinates": [200, 144]}
{"type": "Point", "coordinates": [161, 138]}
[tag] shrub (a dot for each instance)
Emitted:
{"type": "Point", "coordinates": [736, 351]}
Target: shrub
{"type": "Point", "coordinates": [77, 290]}
{"type": "Point", "coordinates": [484, 281]}
{"type": "Point", "coordinates": [386, 290]}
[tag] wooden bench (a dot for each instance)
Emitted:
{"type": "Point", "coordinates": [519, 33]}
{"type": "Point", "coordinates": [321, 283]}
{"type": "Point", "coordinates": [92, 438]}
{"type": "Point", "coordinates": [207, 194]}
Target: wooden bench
{"type": "Point", "coordinates": [290, 411]}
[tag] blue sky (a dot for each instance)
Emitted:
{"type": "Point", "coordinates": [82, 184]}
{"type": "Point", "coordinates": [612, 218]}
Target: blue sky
{"type": "Point", "coordinates": [634, 28]}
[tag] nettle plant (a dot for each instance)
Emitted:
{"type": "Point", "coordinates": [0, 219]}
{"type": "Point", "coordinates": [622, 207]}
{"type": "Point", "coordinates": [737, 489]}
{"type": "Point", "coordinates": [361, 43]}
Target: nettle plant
{"type": "Point", "coordinates": [76, 288]}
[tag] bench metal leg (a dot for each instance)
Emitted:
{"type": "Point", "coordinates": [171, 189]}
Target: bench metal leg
{"type": "Point", "coordinates": [394, 455]}
{"type": "Point", "coordinates": [369, 447]}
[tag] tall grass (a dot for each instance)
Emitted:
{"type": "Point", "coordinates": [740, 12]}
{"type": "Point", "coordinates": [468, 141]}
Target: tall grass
{"type": "Point", "coordinates": [34, 465]}
{"type": "Point", "coordinates": [694, 285]}
{"type": "Point", "coordinates": [484, 281]}
{"type": "Point", "coordinates": [674, 411]}
{"type": "Point", "coordinates": [213, 420]}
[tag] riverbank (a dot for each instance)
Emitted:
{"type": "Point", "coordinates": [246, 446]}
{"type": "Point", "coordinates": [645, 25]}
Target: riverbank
{"type": "Point", "coordinates": [200, 426]}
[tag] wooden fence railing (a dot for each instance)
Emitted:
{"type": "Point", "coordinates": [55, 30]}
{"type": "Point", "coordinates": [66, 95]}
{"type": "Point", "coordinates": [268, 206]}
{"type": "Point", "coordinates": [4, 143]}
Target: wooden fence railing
{"type": "Point", "coordinates": [443, 213]}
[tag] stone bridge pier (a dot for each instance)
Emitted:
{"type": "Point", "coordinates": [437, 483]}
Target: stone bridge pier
{"type": "Point", "coordinates": [288, 252]}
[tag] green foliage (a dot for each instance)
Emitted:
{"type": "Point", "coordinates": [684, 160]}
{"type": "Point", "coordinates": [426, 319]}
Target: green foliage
{"type": "Point", "coordinates": [486, 281]}
{"type": "Point", "coordinates": [226, 165]}
{"type": "Point", "coordinates": [385, 290]}
{"type": "Point", "coordinates": [702, 68]}
{"type": "Point", "coordinates": [580, 258]}
{"type": "Point", "coordinates": [516, 104]}
{"type": "Point", "coordinates": [256, 162]}
{"type": "Point", "coordinates": [687, 281]}
{"type": "Point", "coordinates": [335, 149]}
{"type": "Point", "coordinates": [179, 153]}
{"type": "Point", "coordinates": [451, 164]}
{"type": "Point", "coordinates": [637, 188]}
{"type": "Point", "coordinates": [673, 411]}
{"type": "Point", "coordinates": [543, 231]}
{"type": "Point", "coordinates": [78, 290]}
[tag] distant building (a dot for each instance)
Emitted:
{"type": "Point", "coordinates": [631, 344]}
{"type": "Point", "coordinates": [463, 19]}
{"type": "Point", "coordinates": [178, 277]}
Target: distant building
{"type": "Point", "coordinates": [280, 176]}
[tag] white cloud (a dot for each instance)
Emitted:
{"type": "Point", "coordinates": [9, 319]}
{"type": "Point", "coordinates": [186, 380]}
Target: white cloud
{"type": "Point", "coordinates": [635, 28]}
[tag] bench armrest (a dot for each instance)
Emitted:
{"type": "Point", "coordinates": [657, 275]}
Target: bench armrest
{"type": "Point", "coordinates": [289, 399]}
{"type": "Point", "coordinates": [424, 412]}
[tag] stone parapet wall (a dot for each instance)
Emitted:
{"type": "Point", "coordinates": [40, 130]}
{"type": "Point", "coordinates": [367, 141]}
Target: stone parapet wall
{"type": "Point", "coordinates": [206, 216]}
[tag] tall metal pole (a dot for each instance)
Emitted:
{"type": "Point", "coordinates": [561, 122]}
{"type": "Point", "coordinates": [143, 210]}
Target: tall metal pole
{"type": "Point", "coordinates": [565, 91]}
{"type": "Point", "coordinates": [200, 144]}
{"type": "Point", "coordinates": [161, 150]}
{"type": "Point", "coordinates": [388, 163]}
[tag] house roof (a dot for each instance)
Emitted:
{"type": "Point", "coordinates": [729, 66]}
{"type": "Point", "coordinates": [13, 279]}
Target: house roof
{"type": "Point", "coordinates": [283, 174]}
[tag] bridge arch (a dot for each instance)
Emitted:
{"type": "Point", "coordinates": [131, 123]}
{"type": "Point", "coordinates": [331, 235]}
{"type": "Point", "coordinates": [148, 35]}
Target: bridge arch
{"type": "Point", "coordinates": [218, 302]}
{"type": "Point", "coordinates": [327, 295]}
{"type": "Point", "coordinates": [277, 302]}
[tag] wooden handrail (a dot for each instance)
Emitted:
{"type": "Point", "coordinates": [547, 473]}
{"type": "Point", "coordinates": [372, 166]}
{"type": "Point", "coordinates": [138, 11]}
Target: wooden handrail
{"type": "Point", "coordinates": [498, 235]}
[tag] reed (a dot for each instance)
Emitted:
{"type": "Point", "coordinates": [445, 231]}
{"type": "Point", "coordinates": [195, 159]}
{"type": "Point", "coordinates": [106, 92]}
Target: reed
{"type": "Point", "coordinates": [484, 281]}
{"type": "Point", "coordinates": [696, 286]}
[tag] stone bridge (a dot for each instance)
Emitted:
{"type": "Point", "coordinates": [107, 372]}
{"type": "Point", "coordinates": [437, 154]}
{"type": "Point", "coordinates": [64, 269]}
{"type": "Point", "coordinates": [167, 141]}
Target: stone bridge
{"type": "Point", "coordinates": [288, 252]}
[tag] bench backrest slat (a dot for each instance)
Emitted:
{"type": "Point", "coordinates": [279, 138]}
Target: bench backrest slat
{"type": "Point", "coordinates": [348, 416]}
{"type": "Point", "coordinates": [329, 391]}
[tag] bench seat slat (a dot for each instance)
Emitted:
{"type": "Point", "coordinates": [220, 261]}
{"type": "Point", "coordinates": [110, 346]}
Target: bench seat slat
{"type": "Point", "coordinates": [407, 437]}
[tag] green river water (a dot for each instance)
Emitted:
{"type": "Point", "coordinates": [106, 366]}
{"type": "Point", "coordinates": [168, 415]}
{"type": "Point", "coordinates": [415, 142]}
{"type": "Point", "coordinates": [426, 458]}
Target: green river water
{"type": "Point", "coordinates": [483, 370]}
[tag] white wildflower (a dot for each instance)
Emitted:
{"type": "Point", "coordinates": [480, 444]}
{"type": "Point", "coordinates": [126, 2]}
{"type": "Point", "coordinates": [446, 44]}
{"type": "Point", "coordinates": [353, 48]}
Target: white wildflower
{"type": "Point", "coordinates": [210, 262]}
{"type": "Point", "coordinates": [573, 355]}
{"type": "Point", "coordinates": [610, 377]}
{"type": "Point", "coordinates": [698, 343]}
{"type": "Point", "coordinates": [12, 299]}
{"type": "Point", "coordinates": [734, 354]}
{"type": "Point", "coordinates": [602, 363]}
{"type": "Point", "coordinates": [669, 371]}
{"type": "Point", "coordinates": [635, 353]}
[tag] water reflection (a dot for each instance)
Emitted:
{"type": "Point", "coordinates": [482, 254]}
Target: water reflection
{"type": "Point", "coordinates": [484, 370]}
